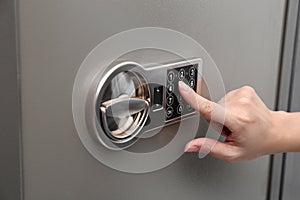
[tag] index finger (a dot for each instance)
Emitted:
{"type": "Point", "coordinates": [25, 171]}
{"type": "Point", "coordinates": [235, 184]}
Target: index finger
{"type": "Point", "coordinates": [210, 110]}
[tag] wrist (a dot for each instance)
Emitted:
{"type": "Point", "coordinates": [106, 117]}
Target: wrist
{"type": "Point", "coordinates": [279, 136]}
{"type": "Point", "coordinates": [290, 131]}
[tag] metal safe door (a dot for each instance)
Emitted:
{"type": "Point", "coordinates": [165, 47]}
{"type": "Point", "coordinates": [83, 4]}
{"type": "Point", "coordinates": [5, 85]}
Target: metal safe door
{"type": "Point", "coordinates": [244, 39]}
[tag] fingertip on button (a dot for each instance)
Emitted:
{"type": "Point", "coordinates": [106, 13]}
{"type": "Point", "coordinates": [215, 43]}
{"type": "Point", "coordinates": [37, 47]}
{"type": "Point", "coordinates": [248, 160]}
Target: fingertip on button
{"type": "Point", "coordinates": [182, 86]}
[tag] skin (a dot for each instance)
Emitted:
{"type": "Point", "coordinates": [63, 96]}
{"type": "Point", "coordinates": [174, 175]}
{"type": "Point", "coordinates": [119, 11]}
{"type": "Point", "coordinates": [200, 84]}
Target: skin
{"type": "Point", "coordinates": [251, 129]}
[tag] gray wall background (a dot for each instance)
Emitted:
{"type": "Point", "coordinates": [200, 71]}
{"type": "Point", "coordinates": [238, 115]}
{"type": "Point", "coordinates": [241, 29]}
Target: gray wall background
{"type": "Point", "coordinates": [10, 177]}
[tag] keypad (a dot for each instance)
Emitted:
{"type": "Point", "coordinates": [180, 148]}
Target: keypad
{"type": "Point", "coordinates": [175, 105]}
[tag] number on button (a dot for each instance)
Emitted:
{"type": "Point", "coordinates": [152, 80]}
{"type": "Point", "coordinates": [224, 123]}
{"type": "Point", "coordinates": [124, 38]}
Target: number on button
{"type": "Point", "coordinates": [179, 109]}
{"type": "Point", "coordinates": [192, 83]}
{"type": "Point", "coordinates": [169, 111]}
{"type": "Point", "coordinates": [170, 88]}
{"type": "Point", "coordinates": [170, 100]}
{"type": "Point", "coordinates": [192, 72]}
{"type": "Point", "coordinates": [171, 76]}
{"type": "Point", "coordinates": [181, 74]}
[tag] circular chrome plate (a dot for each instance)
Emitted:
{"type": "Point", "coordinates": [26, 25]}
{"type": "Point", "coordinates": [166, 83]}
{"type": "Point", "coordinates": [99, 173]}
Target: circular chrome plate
{"type": "Point", "coordinates": [86, 90]}
{"type": "Point", "coordinates": [122, 103]}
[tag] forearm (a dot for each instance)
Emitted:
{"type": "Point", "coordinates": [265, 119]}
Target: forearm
{"type": "Point", "coordinates": [287, 129]}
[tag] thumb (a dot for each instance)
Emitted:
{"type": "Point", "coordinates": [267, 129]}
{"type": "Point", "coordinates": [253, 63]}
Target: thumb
{"type": "Point", "coordinates": [215, 148]}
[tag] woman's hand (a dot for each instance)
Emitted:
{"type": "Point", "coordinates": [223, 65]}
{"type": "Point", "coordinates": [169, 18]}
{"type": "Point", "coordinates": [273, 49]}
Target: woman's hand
{"type": "Point", "coordinates": [251, 129]}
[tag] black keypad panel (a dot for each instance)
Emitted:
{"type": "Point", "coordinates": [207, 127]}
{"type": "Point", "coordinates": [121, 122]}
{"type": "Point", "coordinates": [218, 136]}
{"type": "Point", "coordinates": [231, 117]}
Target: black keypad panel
{"type": "Point", "coordinates": [175, 105]}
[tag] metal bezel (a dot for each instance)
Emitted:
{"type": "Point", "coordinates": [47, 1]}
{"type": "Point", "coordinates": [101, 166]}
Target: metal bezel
{"type": "Point", "coordinates": [121, 143]}
{"type": "Point", "coordinates": [130, 139]}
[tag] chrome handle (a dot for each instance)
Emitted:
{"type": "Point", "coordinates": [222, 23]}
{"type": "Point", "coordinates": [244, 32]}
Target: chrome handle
{"type": "Point", "coordinates": [123, 106]}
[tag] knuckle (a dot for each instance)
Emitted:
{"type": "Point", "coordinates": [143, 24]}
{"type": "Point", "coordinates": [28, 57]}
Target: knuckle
{"type": "Point", "coordinates": [244, 117]}
{"type": "Point", "coordinates": [208, 108]}
{"type": "Point", "coordinates": [233, 154]}
{"type": "Point", "coordinates": [247, 91]}
{"type": "Point", "coordinates": [231, 158]}
{"type": "Point", "coordinates": [248, 88]}
{"type": "Point", "coordinates": [244, 101]}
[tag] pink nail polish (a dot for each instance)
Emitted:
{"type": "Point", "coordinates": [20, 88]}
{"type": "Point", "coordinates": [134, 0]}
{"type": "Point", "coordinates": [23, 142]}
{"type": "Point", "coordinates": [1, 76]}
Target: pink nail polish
{"type": "Point", "coordinates": [192, 149]}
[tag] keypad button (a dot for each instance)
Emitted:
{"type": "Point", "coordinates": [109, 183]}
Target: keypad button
{"type": "Point", "coordinates": [170, 88]}
{"type": "Point", "coordinates": [179, 98]}
{"type": "Point", "coordinates": [179, 109]}
{"type": "Point", "coordinates": [169, 112]}
{"type": "Point", "coordinates": [170, 100]}
{"type": "Point", "coordinates": [192, 71]}
{"type": "Point", "coordinates": [171, 76]}
{"type": "Point", "coordinates": [174, 104]}
{"type": "Point", "coordinates": [192, 83]}
{"type": "Point", "coordinates": [189, 107]}
{"type": "Point", "coordinates": [181, 74]}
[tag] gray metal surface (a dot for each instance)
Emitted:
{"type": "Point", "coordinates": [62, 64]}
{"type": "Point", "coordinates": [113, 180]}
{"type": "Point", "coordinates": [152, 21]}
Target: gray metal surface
{"type": "Point", "coordinates": [290, 190]}
{"type": "Point", "coordinates": [10, 177]}
{"type": "Point", "coordinates": [291, 174]}
{"type": "Point", "coordinates": [55, 36]}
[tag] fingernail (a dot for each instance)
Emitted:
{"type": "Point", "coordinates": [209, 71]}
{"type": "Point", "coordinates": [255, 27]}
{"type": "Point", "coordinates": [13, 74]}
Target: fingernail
{"type": "Point", "coordinates": [187, 146]}
{"type": "Point", "coordinates": [183, 86]}
{"type": "Point", "coordinates": [191, 148]}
